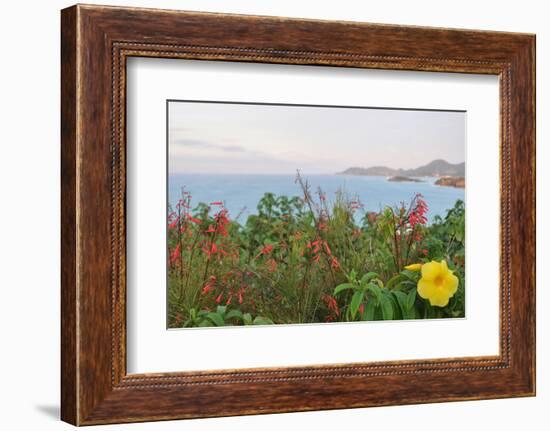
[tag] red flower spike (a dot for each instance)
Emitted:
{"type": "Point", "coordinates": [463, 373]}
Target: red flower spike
{"type": "Point", "coordinates": [176, 253]}
{"type": "Point", "coordinates": [211, 229]}
{"type": "Point", "coordinates": [210, 285]}
{"type": "Point", "coordinates": [267, 249]}
{"type": "Point", "coordinates": [207, 288]}
{"type": "Point", "coordinates": [193, 219]}
{"type": "Point", "coordinates": [417, 215]}
{"type": "Point", "coordinates": [331, 304]}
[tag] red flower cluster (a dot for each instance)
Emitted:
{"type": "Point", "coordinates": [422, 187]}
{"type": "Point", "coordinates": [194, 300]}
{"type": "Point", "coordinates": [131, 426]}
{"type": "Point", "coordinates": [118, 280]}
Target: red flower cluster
{"type": "Point", "coordinates": [173, 220]}
{"type": "Point", "coordinates": [317, 246]}
{"type": "Point", "coordinates": [331, 304]}
{"type": "Point", "coordinates": [417, 215]}
{"type": "Point", "coordinates": [214, 249]}
{"type": "Point", "coordinates": [185, 202]}
{"type": "Point", "coordinates": [210, 285]}
{"type": "Point", "coordinates": [175, 254]}
{"type": "Point", "coordinates": [193, 219]}
{"type": "Point", "coordinates": [333, 261]}
{"type": "Point", "coordinates": [267, 249]}
{"type": "Point", "coordinates": [222, 220]}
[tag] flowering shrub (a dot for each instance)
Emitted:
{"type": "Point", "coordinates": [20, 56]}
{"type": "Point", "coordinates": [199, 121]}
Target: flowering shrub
{"type": "Point", "coordinates": [308, 259]}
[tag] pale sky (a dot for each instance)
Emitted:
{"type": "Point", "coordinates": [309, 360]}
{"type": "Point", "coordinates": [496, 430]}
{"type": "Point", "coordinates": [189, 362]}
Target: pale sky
{"type": "Point", "coordinates": [266, 139]}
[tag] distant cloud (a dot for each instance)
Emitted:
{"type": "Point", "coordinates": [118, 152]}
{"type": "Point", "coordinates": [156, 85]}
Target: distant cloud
{"type": "Point", "coordinates": [198, 143]}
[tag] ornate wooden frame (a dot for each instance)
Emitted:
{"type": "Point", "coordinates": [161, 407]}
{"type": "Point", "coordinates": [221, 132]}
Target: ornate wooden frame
{"type": "Point", "coordinates": [95, 42]}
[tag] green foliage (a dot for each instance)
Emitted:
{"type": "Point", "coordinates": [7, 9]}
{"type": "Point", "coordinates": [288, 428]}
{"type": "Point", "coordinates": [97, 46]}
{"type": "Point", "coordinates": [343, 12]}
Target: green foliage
{"type": "Point", "coordinates": [222, 317]}
{"type": "Point", "coordinates": [305, 259]}
{"type": "Point", "coordinates": [393, 301]}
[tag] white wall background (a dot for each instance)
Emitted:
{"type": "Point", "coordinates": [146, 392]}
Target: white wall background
{"type": "Point", "coordinates": [29, 214]}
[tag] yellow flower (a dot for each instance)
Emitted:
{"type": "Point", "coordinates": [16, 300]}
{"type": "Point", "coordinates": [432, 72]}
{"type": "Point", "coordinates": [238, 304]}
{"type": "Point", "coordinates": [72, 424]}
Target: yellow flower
{"type": "Point", "coordinates": [414, 267]}
{"type": "Point", "coordinates": [438, 283]}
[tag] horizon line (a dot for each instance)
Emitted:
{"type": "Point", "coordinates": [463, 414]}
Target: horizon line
{"type": "Point", "coordinates": [313, 173]}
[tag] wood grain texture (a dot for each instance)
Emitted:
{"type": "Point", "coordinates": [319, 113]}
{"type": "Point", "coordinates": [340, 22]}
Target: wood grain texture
{"type": "Point", "coordinates": [96, 41]}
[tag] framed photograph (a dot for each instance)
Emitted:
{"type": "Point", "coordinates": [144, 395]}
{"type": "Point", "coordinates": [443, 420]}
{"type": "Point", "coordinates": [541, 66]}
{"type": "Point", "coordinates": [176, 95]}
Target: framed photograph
{"type": "Point", "coordinates": [329, 214]}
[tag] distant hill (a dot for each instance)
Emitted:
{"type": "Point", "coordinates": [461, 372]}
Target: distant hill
{"type": "Point", "coordinates": [458, 182]}
{"type": "Point", "coordinates": [436, 168]}
{"type": "Point", "coordinates": [399, 179]}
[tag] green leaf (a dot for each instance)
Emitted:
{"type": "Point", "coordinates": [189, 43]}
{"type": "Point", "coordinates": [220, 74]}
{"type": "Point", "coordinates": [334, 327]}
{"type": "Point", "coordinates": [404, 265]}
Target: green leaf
{"type": "Point", "coordinates": [394, 280]}
{"type": "Point", "coordinates": [247, 319]}
{"type": "Point", "coordinates": [376, 291]}
{"type": "Point", "coordinates": [387, 309]}
{"type": "Point", "coordinates": [411, 297]}
{"type": "Point", "coordinates": [368, 277]}
{"type": "Point", "coordinates": [369, 311]}
{"type": "Point", "coordinates": [402, 301]}
{"type": "Point", "coordinates": [260, 320]}
{"type": "Point", "coordinates": [356, 300]}
{"type": "Point", "coordinates": [221, 309]}
{"type": "Point", "coordinates": [342, 287]}
{"type": "Point", "coordinates": [205, 322]}
{"type": "Point", "coordinates": [216, 318]}
{"type": "Point", "coordinates": [234, 313]}
{"type": "Point", "coordinates": [411, 275]}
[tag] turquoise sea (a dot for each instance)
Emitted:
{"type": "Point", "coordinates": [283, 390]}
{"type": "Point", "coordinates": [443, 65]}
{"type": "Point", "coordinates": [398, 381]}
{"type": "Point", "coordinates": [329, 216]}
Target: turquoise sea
{"type": "Point", "coordinates": [241, 193]}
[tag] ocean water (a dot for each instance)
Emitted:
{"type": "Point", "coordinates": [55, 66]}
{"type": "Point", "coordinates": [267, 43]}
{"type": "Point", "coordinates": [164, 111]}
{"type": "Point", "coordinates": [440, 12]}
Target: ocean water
{"type": "Point", "coordinates": [241, 193]}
